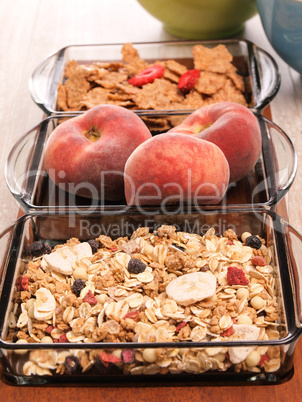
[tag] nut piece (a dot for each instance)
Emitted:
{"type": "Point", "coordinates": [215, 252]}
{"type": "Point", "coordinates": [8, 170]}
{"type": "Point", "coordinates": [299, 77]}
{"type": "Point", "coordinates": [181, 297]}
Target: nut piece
{"type": "Point", "coordinates": [190, 288]}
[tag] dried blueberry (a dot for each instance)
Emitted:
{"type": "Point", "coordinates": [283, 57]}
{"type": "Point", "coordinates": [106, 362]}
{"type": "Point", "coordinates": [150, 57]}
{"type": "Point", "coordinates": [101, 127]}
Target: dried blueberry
{"type": "Point", "coordinates": [77, 286]}
{"type": "Point", "coordinates": [38, 248]}
{"type": "Point", "coordinates": [94, 244]}
{"type": "Point", "coordinates": [71, 364]}
{"type": "Point", "coordinates": [136, 266]}
{"type": "Point", "coordinates": [253, 241]}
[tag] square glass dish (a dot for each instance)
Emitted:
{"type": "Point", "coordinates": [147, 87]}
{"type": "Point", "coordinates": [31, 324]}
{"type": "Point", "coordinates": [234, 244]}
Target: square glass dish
{"type": "Point", "coordinates": [257, 68]}
{"type": "Point", "coordinates": [264, 186]}
{"type": "Point", "coordinates": [198, 349]}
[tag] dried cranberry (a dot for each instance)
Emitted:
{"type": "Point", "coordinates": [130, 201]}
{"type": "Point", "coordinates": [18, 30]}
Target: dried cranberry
{"type": "Point", "coordinates": [63, 338]}
{"type": "Point", "coordinates": [180, 326]}
{"type": "Point", "coordinates": [77, 286]}
{"type": "Point", "coordinates": [253, 241]}
{"type": "Point", "coordinates": [71, 364]}
{"type": "Point", "coordinates": [188, 80]}
{"type": "Point", "coordinates": [49, 329]}
{"type": "Point", "coordinates": [236, 276]}
{"type": "Point", "coordinates": [90, 298]}
{"type": "Point", "coordinates": [258, 260]}
{"type": "Point", "coordinates": [38, 248]}
{"type": "Point", "coordinates": [94, 244]}
{"type": "Point", "coordinates": [24, 282]}
{"type": "Point", "coordinates": [147, 76]}
{"type": "Point", "coordinates": [228, 332]}
{"type": "Point", "coordinates": [263, 358]}
{"type": "Point", "coordinates": [128, 356]}
{"type": "Point", "coordinates": [136, 266]}
{"type": "Point", "coordinates": [132, 314]}
{"type": "Point", "coordinates": [107, 358]}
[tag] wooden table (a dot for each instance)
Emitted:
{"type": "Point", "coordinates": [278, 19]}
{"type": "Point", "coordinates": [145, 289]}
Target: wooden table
{"type": "Point", "coordinates": [32, 29]}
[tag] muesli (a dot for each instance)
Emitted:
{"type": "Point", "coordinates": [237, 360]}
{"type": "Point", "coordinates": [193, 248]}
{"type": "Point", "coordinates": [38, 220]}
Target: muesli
{"type": "Point", "coordinates": [161, 286]}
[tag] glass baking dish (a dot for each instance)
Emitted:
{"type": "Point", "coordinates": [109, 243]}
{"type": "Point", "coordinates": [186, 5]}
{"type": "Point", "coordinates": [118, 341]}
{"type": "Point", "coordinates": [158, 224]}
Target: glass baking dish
{"type": "Point", "coordinates": [257, 67]}
{"type": "Point", "coordinates": [28, 180]}
{"type": "Point", "coordinates": [38, 363]}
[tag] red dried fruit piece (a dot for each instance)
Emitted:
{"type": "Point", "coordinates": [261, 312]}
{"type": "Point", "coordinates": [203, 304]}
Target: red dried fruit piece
{"type": "Point", "coordinates": [128, 356]}
{"type": "Point", "coordinates": [90, 298]}
{"type": "Point", "coordinates": [230, 242]}
{"type": "Point", "coordinates": [49, 329]}
{"type": "Point", "coordinates": [147, 76]}
{"type": "Point", "coordinates": [263, 358]}
{"type": "Point", "coordinates": [236, 276]}
{"type": "Point", "coordinates": [180, 326]}
{"type": "Point", "coordinates": [24, 282]}
{"type": "Point", "coordinates": [132, 314]}
{"type": "Point", "coordinates": [188, 80]}
{"type": "Point", "coordinates": [258, 260]}
{"type": "Point", "coordinates": [228, 332]}
{"type": "Point", "coordinates": [113, 249]}
{"type": "Point", "coordinates": [63, 338]}
{"type": "Point", "coordinates": [109, 358]}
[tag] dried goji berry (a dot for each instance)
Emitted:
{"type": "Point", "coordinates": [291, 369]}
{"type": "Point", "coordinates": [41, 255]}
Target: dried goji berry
{"type": "Point", "coordinates": [147, 76]}
{"type": "Point", "coordinates": [107, 358]}
{"type": "Point", "coordinates": [132, 314]}
{"type": "Point", "coordinates": [63, 338]}
{"type": "Point", "coordinates": [180, 326]}
{"type": "Point", "coordinates": [236, 276]}
{"type": "Point", "coordinates": [113, 249]}
{"type": "Point", "coordinates": [258, 260]}
{"type": "Point", "coordinates": [228, 332]}
{"type": "Point", "coordinates": [263, 358]}
{"type": "Point", "coordinates": [188, 80]}
{"type": "Point", "coordinates": [90, 298]}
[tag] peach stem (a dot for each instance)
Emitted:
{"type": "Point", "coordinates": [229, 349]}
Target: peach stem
{"type": "Point", "coordinates": [93, 134]}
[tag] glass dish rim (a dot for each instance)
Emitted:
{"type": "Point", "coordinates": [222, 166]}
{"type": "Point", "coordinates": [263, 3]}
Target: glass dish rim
{"type": "Point", "coordinates": [252, 56]}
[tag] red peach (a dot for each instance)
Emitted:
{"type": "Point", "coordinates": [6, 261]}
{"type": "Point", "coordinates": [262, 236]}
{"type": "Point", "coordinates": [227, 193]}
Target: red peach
{"type": "Point", "coordinates": [86, 155]}
{"type": "Point", "coordinates": [233, 128]}
{"type": "Point", "coordinates": [170, 168]}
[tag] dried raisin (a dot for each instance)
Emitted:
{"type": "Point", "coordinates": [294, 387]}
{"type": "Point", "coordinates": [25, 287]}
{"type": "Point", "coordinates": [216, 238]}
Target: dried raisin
{"type": "Point", "coordinates": [77, 286]}
{"type": "Point", "coordinates": [71, 364]}
{"type": "Point", "coordinates": [254, 242]}
{"type": "Point", "coordinates": [38, 248]}
{"type": "Point", "coordinates": [94, 244]}
{"type": "Point", "coordinates": [136, 266]}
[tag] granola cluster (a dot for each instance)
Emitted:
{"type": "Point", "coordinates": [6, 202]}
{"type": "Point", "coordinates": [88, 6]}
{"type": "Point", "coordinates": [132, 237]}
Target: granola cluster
{"type": "Point", "coordinates": [128, 290]}
{"type": "Point", "coordinates": [88, 85]}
